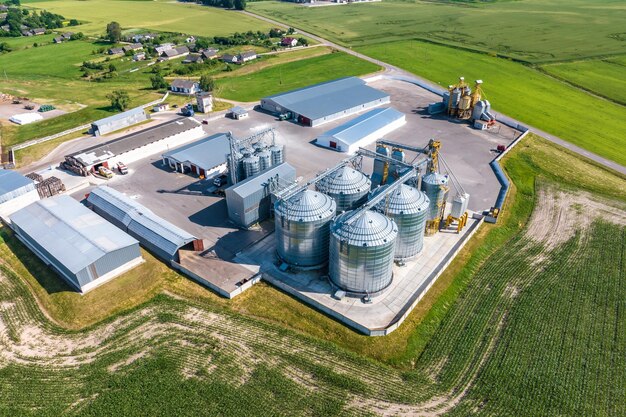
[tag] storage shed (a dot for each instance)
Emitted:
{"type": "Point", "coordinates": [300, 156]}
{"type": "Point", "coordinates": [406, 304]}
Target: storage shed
{"type": "Point", "coordinates": [79, 245]}
{"type": "Point", "coordinates": [203, 157]}
{"type": "Point", "coordinates": [135, 146]}
{"type": "Point", "coordinates": [16, 192]}
{"type": "Point", "coordinates": [118, 121]}
{"type": "Point", "coordinates": [321, 103]}
{"type": "Point", "coordinates": [25, 118]}
{"type": "Point", "coordinates": [249, 201]}
{"type": "Point", "coordinates": [153, 232]}
{"type": "Point", "coordinates": [362, 130]}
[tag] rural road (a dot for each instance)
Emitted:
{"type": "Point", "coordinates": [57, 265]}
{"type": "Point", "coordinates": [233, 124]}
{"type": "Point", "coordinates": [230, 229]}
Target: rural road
{"type": "Point", "coordinates": [392, 71]}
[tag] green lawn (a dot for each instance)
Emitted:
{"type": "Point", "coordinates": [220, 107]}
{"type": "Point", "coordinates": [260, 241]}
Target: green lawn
{"type": "Point", "coordinates": [162, 15]}
{"type": "Point", "coordinates": [532, 30]}
{"type": "Point", "coordinates": [603, 77]}
{"type": "Point", "coordinates": [292, 75]}
{"type": "Point", "coordinates": [519, 92]}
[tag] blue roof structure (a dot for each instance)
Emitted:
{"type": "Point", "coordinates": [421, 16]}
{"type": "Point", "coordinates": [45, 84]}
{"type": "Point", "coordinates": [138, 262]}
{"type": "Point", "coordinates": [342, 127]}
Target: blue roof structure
{"type": "Point", "coordinates": [206, 153]}
{"type": "Point", "coordinates": [119, 116]}
{"type": "Point", "coordinates": [356, 129]}
{"type": "Point", "coordinates": [73, 235]}
{"type": "Point", "coordinates": [325, 99]}
{"type": "Point", "coordinates": [13, 184]}
{"type": "Point", "coordinates": [156, 234]}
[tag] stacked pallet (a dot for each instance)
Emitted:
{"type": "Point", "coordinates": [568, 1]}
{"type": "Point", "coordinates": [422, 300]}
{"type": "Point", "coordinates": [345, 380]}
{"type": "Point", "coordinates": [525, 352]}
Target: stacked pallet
{"type": "Point", "coordinates": [35, 177]}
{"type": "Point", "coordinates": [49, 187]}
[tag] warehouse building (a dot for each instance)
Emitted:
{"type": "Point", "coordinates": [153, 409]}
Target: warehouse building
{"type": "Point", "coordinates": [205, 157]}
{"type": "Point", "coordinates": [362, 130]}
{"type": "Point", "coordinates": [135, 146]}
{"type": "Point", "coordinates": [249, 201]}
{"type": "Point", "coordinates": [321, 103]}
{"type": "Point", "coordinates": [79, 245]}
{"type": "Point", "coordinates": [154, 233]}
{"type": "Point", "coordinates": [16, 192]}
{"type": "Point", "coordinates": [118, 121]}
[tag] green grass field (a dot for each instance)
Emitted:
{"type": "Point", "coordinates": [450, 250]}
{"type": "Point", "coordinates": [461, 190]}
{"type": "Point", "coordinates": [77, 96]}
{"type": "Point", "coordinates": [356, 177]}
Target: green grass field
{"type": "Point", "coordinates": [530, 30]}
{"type": "Point", "coordinates": [288, 76]}
{"type": "Point", "coordinates": [602, 77]}
{"type": "Point", "coordinates": [161, 15]}
{"type": "Point", "coordinates": [535, 331]}
{"type": "Point", "coordinates": [519, 92]}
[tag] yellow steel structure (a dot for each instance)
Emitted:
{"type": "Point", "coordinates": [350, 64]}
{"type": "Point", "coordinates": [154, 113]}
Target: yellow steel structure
{"type": "Point", "coordinates": [460, 222]}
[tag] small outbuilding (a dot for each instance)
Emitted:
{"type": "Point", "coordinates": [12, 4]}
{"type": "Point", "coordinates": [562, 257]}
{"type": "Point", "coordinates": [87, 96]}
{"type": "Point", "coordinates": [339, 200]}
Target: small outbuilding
{"type": "Point", "coordinates": [362, 130]}
{"type": "Point", "coordinates": [159, 107]}
{"type": "Point", "coordinates": [204, 101]}
{"type": "Point", "coordinates": [25, 118]}
{"type": "Point", "coordinates": [205, 157]}
{"type": "Point", "coordinates": [119, 121]}
{"type": "Point", "coordinates": [238, 113]}
{"type": "Point", "coordinates": [249, 201]}
{"type": "Point", "coordinates": [153, 232]}
{"type": "Point", "coordinates": [16, 192]}
{"type": "Point", "coordinates": [82, 247]}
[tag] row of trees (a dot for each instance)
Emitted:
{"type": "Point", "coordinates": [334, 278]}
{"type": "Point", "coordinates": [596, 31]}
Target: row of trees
{"type": "Point", "coordinates": [16, 18]}
{"type": "Point", "coordinates": [226, 4]}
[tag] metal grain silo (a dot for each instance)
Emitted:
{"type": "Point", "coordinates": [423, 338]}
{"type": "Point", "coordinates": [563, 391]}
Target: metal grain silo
{"type": "Point", "coordinates": [347, 186]}
{"type": "Point", "coordinates": [278, 154]}
{"type": "Point", "coordinates": [302, 228]}
{"type": "Point", "coordinates": [408, 207]}
{"type": "Point", "coordinates": [361, 252]}
{"type": "Point", "coordinates": [251, 165]}
{"type": "Point", "coordinates": [265, 159]}
{"type": "Point", "coordinates": [435, 186]}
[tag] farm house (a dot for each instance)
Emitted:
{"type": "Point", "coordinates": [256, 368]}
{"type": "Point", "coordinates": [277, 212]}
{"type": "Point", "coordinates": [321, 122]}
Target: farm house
{"type": "Point", "coordinates": [135, 146]}
{"type": "Point", "coordinates": [79, 245]}
{"type": "Point", "coordinates": [204, 157]}
{"type": "Point", "coordinates": [16, 192]}
{"type": "Point", "coordinates": [153, 232]}
{"type": "Point", "coordinates": [362, 130]}
{"type": "Point", "coordinates": [321, 103]}
{"type": "Point", "coordinates": [118, 121]}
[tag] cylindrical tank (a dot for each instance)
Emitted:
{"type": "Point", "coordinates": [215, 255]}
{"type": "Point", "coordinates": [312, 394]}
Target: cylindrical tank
{"type": "Point", "coordinates": [251, 165]}
{"type": "Point", "coordinates": [278, 154]}
{"type": "Point", "coordinates": [455, 97]}
{"type": "Point", "coordinates": [435, 186]}
{"type": "Point", "coordinates": [394, 169]}
{"type": "Point", "coordinates": [361, 253]}
{"type": "Point", "coordinates": [408, 207]}
{"type": "Point", "coordinates": [347, 186]}
{"type": "Point", "coordinates": [302, 228]}
{"type": "Point", "coordinates": [465, 102]}
{"type": "Point", "coordinates": [258, 147]}
{"type": "Point", "coordinates": [265, 159]}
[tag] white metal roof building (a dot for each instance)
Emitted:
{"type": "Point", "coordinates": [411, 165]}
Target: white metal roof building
{"type": "Point", "coordinates": [362, 130]}
{"type": "Point", "coordinates": [119, 121]}
{"type": "Point", "coordinates": [249, 201]}
{"type": "Point", "coordinates": [16, 192]}
{"type": "Point", "coordinates": [321, 103]}
{"type": "Point", "coordinates": [203, 157]}
{"type": "Point", "coordinates": [25, 118]}
{"type": "Point", "coordinates": [154, 233]}
{"type": "Point", "coordinates": [81, 246]}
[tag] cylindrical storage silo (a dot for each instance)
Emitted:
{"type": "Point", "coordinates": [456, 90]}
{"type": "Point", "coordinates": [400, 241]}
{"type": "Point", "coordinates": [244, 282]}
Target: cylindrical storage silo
{"type": "Point", "coordinates": [435, 186]}
{"type": "Point", "coordinates": [251, 165]}
{"type": "Point", "coordinates": [361, 252]}
{"type": "Point", "coordinates": [278, 154]}
{"type": "Point", "coordinates": [408, 207]}
{"type": "Point", "coordinates": [347, 186]}
{"type": "Point", "coordinates": [265, 159]}
{"type": "Point", "coordinates": [258, 147]}
{"type": "Point", "coordinates": [302, 228]}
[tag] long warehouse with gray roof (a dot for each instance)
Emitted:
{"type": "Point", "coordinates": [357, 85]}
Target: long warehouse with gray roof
{"type": "Point", "coordinates": [321, 103]}
{"type": "Point", "coordinates": [154, 233]}
{"type": "Point", "coordinates": [135, 146]}
{"type": "Point", "coordinates": [81, 246]}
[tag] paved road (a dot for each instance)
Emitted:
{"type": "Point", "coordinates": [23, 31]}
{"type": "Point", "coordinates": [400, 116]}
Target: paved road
{"type": "Point", "coordinates": [395, 72]}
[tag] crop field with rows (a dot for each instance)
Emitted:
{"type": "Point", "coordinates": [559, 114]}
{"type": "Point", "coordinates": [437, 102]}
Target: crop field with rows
{"type": "Point", "coordinates": [536, 329]}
